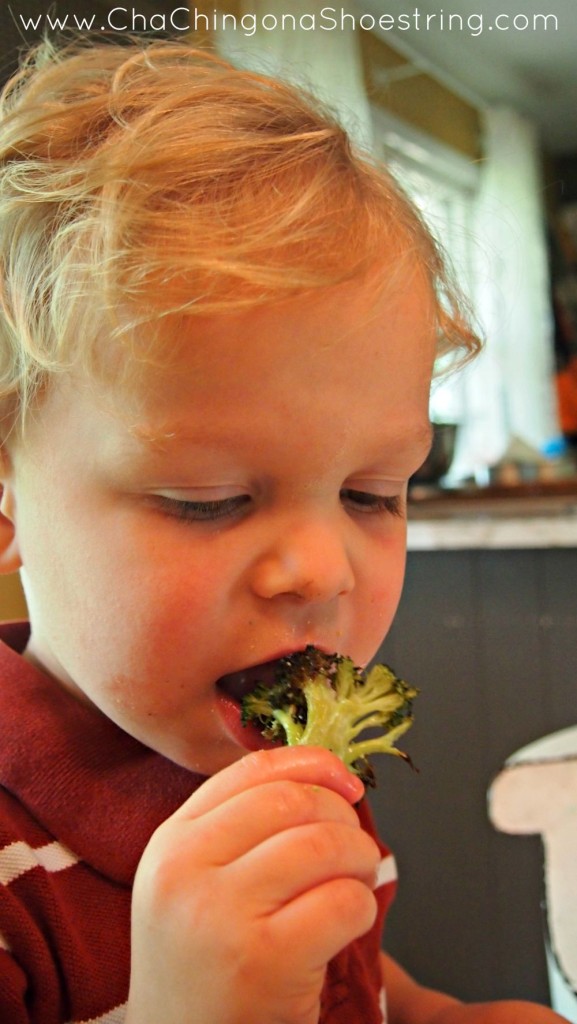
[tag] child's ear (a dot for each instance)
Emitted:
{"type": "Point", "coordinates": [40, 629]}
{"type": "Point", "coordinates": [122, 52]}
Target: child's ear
{"type": "Point", "coordinates": [10, 560]}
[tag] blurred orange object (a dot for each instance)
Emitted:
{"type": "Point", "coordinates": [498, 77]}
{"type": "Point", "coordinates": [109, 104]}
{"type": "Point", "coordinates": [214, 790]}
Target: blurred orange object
{"type": "Point", "coordinates": [567, 397]}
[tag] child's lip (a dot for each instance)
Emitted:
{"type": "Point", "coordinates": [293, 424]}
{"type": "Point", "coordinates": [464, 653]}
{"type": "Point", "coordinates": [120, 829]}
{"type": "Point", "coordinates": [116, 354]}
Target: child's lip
{"type": "Point", "coordinates": [237, 684]}
{"type": "Point", "coordinates": [245, 734]}
{"type": "Point", "coordinates": [232, 688]}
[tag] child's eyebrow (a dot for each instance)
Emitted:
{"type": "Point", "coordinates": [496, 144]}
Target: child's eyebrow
{"type": "Point", "coordinates": [398, 447]}
{"type": "Point", "coordinates": [418, 437]}
{"type": "Point", "coordinates": [424, 436]}
{"type": "Point", "coordinates": [154, 438]}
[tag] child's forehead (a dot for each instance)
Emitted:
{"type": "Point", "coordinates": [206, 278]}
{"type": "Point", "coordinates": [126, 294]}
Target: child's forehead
{"type": "Point", "coordinates": [288, 352]}
{"type": "Point", "coordinates": [317, 381]}
{"type": "Point", "coordinates": [242, 361]}
{"type": "Point", "coordinates": [386, 295]}
{"type": "Point", "coordinates": [295, 341]}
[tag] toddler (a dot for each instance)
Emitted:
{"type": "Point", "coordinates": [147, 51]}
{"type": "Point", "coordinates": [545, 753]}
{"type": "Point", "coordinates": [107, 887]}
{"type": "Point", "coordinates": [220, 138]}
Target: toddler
{"type": "Point", "coordinates": [218, 330]}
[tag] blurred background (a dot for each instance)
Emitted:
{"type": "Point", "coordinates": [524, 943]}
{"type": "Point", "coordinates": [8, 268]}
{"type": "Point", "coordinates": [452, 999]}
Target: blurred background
{"type": "Point", "coordinates": [473, 106]}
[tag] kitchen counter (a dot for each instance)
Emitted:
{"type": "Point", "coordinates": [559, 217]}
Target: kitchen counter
{"type": "Point", "coordinates": [541, 515]}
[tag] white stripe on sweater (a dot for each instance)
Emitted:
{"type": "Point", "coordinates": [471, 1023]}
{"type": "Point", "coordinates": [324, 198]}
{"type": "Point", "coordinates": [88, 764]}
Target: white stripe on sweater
{"type": "Point", "coordinates": [386, 871]}
{"type": "Point", "coordinates": [383, 1006]}
{"type": "Point", "coordinates": [115, 1016]}
{"type": "Point", "coordinates": [17, 858]}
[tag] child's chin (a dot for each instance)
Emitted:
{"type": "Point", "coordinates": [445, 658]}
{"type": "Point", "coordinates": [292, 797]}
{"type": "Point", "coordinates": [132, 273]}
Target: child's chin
{"type": "Point", "coordinates": [247, 736]}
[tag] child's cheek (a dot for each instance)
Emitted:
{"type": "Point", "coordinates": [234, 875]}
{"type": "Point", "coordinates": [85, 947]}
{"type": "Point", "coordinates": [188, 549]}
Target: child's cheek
{"type": "Point", "coordinates": [382, 604]}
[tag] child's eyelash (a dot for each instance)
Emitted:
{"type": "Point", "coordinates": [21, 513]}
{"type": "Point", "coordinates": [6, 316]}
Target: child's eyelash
{"type": "Point", "coordinates": [223, 508]}
{"type": "Point", "coordinates": [202, 511]}
{"type": "Point", "coordinates": [365, 501]}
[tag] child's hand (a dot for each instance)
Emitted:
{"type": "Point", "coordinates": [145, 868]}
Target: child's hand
{"type": "Point", "coordinates": [243, 896]}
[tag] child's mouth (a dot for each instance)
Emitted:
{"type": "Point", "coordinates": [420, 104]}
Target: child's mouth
{"type": "Point", "coordinates": [238, 684]}
{"type": "Point", "coordinates": [232, 688]}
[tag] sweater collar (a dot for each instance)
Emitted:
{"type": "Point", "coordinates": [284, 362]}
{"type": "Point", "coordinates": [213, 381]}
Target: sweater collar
{"type": "Point", "coordinates": [94, 787]}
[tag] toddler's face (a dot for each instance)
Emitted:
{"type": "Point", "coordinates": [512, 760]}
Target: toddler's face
{"type": "Point", "coordinates": [255, 506]}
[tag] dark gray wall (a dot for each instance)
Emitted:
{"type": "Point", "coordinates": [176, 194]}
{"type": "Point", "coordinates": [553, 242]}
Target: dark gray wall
{"type": "Point", "coordinates": [490, 638]}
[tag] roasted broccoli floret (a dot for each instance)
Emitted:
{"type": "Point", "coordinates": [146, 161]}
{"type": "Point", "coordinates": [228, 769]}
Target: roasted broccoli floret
{"type": "Point", "coordinates": [325, 701]}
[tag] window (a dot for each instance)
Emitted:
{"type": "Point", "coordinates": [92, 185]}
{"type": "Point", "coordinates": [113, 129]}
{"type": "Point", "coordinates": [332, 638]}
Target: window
{"type": "Point", "coordinates": [489, 220]}
{"type": "Point", "coordinates": [443, 185]}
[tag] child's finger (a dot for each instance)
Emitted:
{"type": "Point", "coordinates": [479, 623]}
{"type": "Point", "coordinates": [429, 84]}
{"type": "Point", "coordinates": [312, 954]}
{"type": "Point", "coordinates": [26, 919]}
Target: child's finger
{"type": "Point", "coordinates": [312, 765]}
{"type": "Point", "coordinates": [248, 819]}
{"type": "Point", "coordinates": [299, 859]}
{"type": "Point", "coordinates": [323, 920]}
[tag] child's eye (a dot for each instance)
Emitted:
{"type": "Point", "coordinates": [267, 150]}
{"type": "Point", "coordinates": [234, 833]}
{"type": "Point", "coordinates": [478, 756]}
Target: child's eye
{"type": "Point", "coordinates": [202, 511]}
{"type": "Point", "coordinates": [365, 501]}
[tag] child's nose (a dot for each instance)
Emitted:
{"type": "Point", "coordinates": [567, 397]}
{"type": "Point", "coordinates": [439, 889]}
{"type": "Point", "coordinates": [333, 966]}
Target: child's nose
{"type": "Point", "coordinates": [309, 561]}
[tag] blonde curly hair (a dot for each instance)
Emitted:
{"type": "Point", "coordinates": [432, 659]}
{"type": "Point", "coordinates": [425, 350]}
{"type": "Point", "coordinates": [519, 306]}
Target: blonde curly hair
{"type": "Point", "coordinates": [145, 180]}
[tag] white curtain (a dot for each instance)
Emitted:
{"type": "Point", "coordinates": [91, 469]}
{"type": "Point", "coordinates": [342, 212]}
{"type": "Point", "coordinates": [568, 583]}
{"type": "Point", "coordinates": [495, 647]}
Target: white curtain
{"type": "Point", "coordinates": [509, 392]}
{"type": "Point", "coordinates": [327, 63]}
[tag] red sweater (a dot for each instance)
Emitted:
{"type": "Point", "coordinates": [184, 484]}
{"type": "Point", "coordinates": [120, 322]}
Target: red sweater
{"type": "Point", "coordinates": [79, 800]}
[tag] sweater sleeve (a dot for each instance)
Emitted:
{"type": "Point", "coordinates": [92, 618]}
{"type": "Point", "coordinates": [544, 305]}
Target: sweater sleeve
{"type": "Point", "coordinates": [30, 985]}
{"type": "Point", "coordinates": [13, 985]}
{"type": "Point", "coordinates": [64, 935]}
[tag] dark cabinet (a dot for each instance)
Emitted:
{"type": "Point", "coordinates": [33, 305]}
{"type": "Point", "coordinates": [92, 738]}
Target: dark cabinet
{"type": "Point", "coordinates": [490, 638]}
